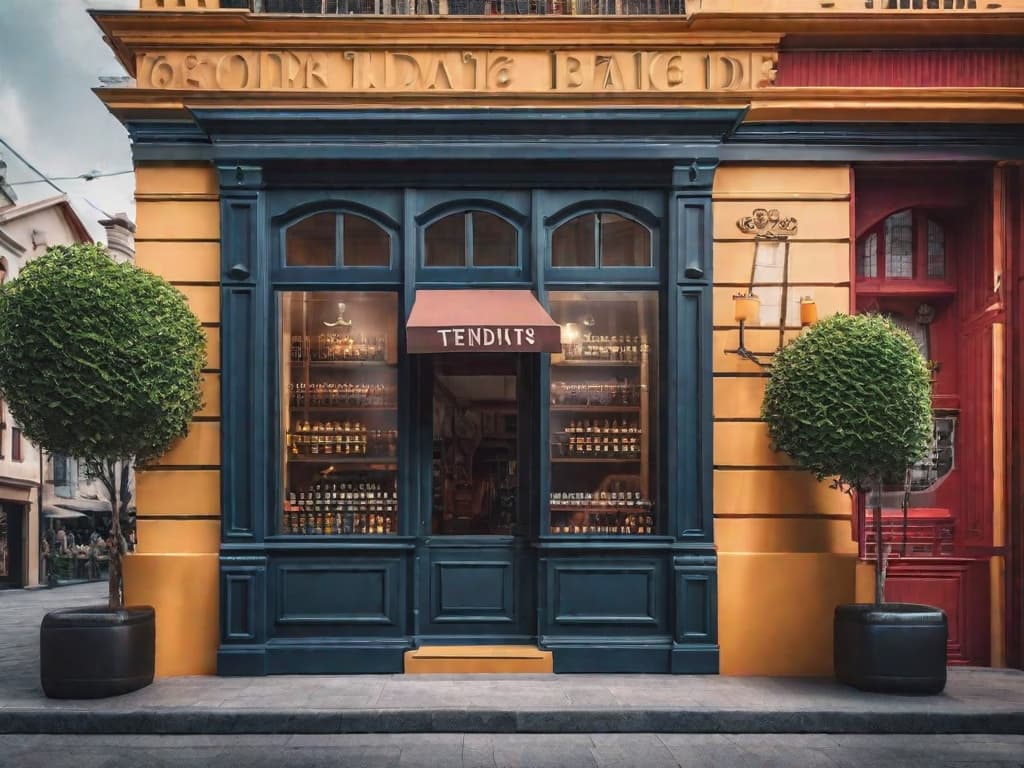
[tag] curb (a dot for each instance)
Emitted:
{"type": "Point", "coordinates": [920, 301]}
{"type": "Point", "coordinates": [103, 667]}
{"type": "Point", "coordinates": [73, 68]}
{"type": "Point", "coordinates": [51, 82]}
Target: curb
{"type": "Point", "coordinates": [230, 722]}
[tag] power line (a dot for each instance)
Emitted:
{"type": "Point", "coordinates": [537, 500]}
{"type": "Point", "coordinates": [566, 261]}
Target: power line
{"type": "Point", "coordinates": [89, 176]}
{"type": "Point", "coordinates": [31, 167]}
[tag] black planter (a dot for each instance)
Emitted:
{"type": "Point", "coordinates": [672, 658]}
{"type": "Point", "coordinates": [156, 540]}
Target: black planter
{"type": "Point", "coordinates": [89, 653]}
{"type": "Point", "coordinates": [893, 648]}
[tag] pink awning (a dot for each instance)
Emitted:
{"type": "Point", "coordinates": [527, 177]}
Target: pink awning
{"type": "Point", "coordinates": [481, 320]}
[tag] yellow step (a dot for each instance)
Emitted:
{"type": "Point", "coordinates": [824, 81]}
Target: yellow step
{"type": "Point", "coordinates": [477, 659]}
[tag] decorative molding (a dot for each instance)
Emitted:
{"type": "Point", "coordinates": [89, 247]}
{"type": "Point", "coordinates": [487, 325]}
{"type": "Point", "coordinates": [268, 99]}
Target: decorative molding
{"type": "Point", "coordinates": [767, 224]}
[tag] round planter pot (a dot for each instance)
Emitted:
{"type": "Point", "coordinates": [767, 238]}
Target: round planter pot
{"type": "Point", "coordinates": [894, 647]}
{"type": "Point", "coordinates": [89, 653]}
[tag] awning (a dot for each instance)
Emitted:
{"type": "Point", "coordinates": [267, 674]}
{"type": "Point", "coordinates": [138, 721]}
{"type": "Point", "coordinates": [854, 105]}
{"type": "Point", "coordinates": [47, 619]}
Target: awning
{"type": "Point", "coordinates": [62, 514]}
{"type": "Point", "coordinates": [478, 320]}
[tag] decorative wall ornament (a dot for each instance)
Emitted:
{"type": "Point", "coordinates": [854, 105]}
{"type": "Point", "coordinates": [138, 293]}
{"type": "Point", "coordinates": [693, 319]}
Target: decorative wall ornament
{"type": "Point", "coordinates": [767, 224]}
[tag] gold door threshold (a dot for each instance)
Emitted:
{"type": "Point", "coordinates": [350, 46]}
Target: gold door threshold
{"type": "Point", "coordinates": [477, 659]}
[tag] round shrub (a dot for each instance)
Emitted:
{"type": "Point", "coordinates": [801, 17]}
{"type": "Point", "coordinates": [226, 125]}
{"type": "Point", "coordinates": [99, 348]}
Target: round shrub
{"type": "Point", "coordinates": [98, 360]}
{"type": "Point", "coordinates": [850, 399]}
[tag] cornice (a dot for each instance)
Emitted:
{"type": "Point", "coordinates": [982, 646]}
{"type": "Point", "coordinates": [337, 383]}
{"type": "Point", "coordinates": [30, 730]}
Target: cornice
{"type": "Point", "coordinates": [766, 105]}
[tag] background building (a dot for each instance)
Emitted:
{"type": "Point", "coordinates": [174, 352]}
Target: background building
{"type": "Point", "coordinates": [43, 494]}
{"type": "Point", "coordinates": [328, 207]}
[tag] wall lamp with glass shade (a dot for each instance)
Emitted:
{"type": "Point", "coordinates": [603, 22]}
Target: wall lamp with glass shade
{"type": "Point", "coordinates": [747, 309]}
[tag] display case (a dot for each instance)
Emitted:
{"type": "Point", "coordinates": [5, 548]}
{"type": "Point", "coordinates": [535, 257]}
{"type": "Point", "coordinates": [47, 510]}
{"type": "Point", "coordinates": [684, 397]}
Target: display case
{"type": "Point", "coordinates": [339, 413]}
{"type": "Point", "coordinates": [603, 414]}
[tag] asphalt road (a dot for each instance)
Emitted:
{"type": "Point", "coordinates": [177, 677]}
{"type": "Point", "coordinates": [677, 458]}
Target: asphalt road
{"type": "Point", "coordinates": [519, 751]}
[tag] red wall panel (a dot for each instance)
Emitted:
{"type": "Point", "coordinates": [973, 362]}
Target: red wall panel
{"type": "Point", "coordinates": [911, 69]}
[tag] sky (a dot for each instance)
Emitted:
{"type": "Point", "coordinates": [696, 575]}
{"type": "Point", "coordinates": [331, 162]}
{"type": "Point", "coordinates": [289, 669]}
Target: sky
{"type": "Point", "coordinates": [51, 56]}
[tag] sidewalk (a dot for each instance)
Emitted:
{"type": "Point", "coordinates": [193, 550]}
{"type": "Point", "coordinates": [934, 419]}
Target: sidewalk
{"type": "Point", "coordinates": [978, 701]}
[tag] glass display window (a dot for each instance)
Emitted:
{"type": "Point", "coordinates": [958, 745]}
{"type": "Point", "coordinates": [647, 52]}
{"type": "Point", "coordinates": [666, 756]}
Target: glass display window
{"type": "Point", "coordinates": [604, 413]}
{"type": "Point", "coordinates": [339, 413]}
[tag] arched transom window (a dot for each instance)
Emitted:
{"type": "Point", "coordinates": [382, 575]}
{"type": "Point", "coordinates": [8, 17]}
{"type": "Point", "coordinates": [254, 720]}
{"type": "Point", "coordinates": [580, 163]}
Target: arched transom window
{"type": "Point", "coordinates": [601, 240]}
{"type": "Point", "coordinates": [333, 239]}
{"type": "Point", "coordinates": [471, 239]}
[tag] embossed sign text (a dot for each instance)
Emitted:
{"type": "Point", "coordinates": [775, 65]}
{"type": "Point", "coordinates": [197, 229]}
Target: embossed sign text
{"type": "Point", "coordinates": [517, 71]}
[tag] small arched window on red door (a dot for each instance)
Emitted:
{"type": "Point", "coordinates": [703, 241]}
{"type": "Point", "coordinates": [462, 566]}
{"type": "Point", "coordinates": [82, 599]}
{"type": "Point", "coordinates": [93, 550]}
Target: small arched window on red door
{"type": "Point", "coordinates": [909, 245]}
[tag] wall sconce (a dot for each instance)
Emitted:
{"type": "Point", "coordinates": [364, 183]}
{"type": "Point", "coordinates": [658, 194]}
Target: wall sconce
{"type": "Point", "coordinates": [808, 311]}
{"type": "Point", "coordinates": [746, 308]}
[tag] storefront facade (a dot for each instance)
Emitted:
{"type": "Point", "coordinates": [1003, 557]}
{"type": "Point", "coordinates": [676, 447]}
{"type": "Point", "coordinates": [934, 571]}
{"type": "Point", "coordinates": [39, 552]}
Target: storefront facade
{"type": "Point", "coordinates": [473, 378]}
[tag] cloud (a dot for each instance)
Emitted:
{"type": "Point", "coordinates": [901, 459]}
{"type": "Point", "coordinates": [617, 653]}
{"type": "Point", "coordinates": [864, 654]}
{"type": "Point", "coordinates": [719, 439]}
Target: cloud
{"type": "Point", "coordinates": [51, 57]}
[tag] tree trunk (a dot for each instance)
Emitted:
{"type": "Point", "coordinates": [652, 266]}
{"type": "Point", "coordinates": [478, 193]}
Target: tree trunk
{"type": "Point", "coordinates": [880, 549]}
{"type": "Point", "coordinates": [115, 589]}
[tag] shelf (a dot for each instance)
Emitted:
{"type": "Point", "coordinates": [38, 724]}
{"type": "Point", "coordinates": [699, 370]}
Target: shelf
{"type": "Point", "coordinates": [595, 408]}
{"type": "Point", "coordinates": [349, 460]}
{"type": "Point", "coordinates": [570, 460]}
{"type": "Point", "coordinates": [597, 364]}
{"type": "Point", "coordinates": [599, 510]}
{"type": "Point", "coordinates": [344, 408]}
{"type": "Point", "coordinates": [343, 363]}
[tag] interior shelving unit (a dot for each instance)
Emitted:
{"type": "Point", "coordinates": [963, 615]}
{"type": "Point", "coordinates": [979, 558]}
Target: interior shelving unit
{"type": "Point", "coordinates": [340, 417]}
{"type": "Point", "coordinates": [602, 407]}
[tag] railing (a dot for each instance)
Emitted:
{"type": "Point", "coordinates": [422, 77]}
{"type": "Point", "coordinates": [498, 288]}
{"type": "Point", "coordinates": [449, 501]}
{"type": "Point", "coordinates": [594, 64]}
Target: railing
{"type": "Point", "coordinates": [464, 7]}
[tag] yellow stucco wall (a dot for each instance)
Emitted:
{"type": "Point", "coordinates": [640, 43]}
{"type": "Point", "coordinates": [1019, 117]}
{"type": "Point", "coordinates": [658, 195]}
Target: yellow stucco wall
{"type": "Point", "coordinates": [786, 555]}
{"type": "Point", "coordinates": [175, 568]}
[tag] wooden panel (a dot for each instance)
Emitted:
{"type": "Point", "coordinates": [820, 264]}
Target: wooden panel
{"type": "Point", "coordinates": [767, 492]}
{"type": "Point", "coordinates": [738, 398]}
{"type": "Point", "coordinates": [775, 611]}
{"type": "Point", "coordinates": [758, 339]}
{"type": "Point", "coordinates": [176, 179]}
{"type": "Point", "coordinates": [766, 534]}
{"type": "Point", "coordinates": [179, 492]}
{"type": "Point", "coordinates": [465, 589]}
{"type": "Point", "coordinates": [960, 588]}
{"type": "Point", "coordinates": [212, 348]}
{"type": "Point", "coordinates": [762, 181]}
{"type": "Point", "coordinates": [1003, 67]}
{"type": "Point", "coordinates": [816, 220]}
{"type": "Point", "coordinates": [178, 536]}
{"type": "Point", "coordinates": [830, 300]}
{"type": "Point", "coordinates": [204, 301]}
{"type": "Point", "coordinates": [826, 263]}
{"type": "Point", "coordinates": [745, 444]}
{"type": "Point", "coordinates": [606, 597]}
{"type": "Point", "coordinates": [179, 261]}
{"type": "Point", "coordinates": [200, 447]}
{"type": "Point", "coordinates": [356, 592]}
{"type": "Point", "coordinates": [211, 395]}
{"type": "Point", "coordinates": [178, 220]}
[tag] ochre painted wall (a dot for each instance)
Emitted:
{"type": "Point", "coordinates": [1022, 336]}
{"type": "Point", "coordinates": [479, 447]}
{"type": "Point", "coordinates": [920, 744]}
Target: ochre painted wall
{"type": "Point", "coordinates": [786, 554]}
{"type": "Point", "coordinates": [175, 568]}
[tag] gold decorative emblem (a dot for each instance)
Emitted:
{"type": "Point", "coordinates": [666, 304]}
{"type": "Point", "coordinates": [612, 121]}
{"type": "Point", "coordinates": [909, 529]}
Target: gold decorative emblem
{"type": "Point", "coordinates": [767, 224]}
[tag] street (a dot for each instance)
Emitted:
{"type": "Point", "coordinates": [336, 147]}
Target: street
{"type": "Point", "coordinates": [520, 751]}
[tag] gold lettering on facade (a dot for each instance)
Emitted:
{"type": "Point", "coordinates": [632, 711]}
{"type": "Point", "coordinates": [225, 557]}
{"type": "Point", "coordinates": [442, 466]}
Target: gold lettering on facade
{"type": "Point", "coordinates": [528, 71]}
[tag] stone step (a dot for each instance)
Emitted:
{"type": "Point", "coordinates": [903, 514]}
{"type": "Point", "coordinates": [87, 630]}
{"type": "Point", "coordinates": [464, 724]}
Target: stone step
{"type": "Point", "coordinates": [478, 659]}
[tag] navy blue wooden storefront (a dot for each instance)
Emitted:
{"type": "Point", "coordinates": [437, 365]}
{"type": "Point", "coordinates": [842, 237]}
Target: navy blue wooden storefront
{"type": "Point", "coordinates": [350, 604]}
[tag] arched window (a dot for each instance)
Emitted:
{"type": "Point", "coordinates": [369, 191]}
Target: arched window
{"type": "Point", "coordinates": [471, 239]}
{"type": "Point", "coordinates": [906, 245]}
{"type": "Point", "coordinates": [601, 240]}
{"type": "Point", "coordinates": [315, 240]}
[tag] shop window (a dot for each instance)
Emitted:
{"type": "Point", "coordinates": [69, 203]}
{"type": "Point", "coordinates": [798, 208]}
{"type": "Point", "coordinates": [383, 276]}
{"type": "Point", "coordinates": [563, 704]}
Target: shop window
{"type": "Point", "coordinates": [65, 476]}
{"type": "Point", "coordinates": [906, 245]}
{"type": "Point", "coordinates": [471, 239]}
{"type": "Point", "coordinates": [313, 242]}
{"type": "Point", "coordinates": [604, 414]}
{"type": "Point", "coordinates": [601, 240]}
{"type": "Point", "coordinates": [339, 407]}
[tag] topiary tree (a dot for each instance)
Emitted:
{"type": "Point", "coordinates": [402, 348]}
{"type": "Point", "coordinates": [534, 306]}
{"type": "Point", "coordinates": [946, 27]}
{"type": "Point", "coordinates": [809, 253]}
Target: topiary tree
{"type": "Point", "coordinates": [100, 361]}
{"type": "Point", "coordinates": [850, 400]}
